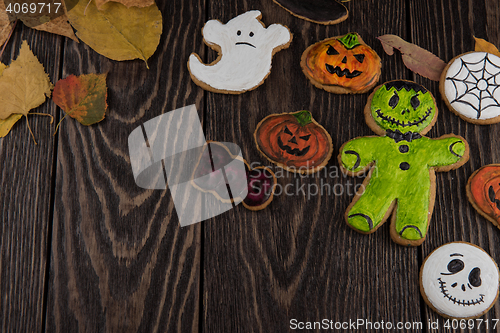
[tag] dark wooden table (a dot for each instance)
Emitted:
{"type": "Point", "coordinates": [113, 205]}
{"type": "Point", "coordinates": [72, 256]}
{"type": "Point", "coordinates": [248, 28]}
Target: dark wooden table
{"type": "Point", "coordinates": [84, 249]}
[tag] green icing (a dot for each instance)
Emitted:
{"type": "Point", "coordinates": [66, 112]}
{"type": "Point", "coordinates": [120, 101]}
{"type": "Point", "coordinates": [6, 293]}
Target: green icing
{"type": "Point", "coordinates": [402, 109]}
{"type": "Point", "coordinates": [350, 40]}
{"type": "Point", "coordinates": [410, 188]}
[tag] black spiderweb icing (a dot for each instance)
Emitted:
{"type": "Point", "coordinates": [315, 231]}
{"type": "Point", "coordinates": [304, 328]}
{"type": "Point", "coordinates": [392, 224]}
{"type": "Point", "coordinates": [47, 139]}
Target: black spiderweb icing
{"type": "Point", "coordinates": [476, 84]}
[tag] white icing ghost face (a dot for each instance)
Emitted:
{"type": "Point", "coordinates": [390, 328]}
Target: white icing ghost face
{"type": "Point", "coordinates": [246, 50]}
{"type": "Point", "coordinates": [471, 85]}
{"type": "Point", "coordinates": [459, 280]}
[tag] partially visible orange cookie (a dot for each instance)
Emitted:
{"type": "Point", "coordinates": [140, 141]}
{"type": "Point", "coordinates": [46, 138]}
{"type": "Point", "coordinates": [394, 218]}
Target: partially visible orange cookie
{"type": "Point", "coordinates": [342, 65]}
{"type": "Point", "coordinates": [483, 191]}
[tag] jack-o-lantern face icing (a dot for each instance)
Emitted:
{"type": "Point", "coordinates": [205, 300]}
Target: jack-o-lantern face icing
{"type": "Point", "coordinates": [294, 141]}
{"type": "Point", "coordinates": [404, 106]}
{"type": "Point", "coordinates": [342, 65]}
{"type": "Point", "coordinates": [483, 191]}
{"type": "Point", "coordinates": [459, 280]}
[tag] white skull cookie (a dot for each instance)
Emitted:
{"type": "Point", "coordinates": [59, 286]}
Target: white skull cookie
{"type": "Point", "coordinates": [246, 48]}
{"type": "Point", "coordinates": [459, 280]}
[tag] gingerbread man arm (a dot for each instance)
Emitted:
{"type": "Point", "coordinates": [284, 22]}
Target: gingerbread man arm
{"type": "Point", "coordinates": [357, 155]}
{"type": "Point", "coordinates": [448, 152]}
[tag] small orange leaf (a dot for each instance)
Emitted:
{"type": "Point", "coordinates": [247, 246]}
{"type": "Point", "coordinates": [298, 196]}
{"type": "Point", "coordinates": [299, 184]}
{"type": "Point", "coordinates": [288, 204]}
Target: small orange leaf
{"type": "Point", "coordinates": [82, 97]}
{"type": "Point", "coordinates": [485, 46]}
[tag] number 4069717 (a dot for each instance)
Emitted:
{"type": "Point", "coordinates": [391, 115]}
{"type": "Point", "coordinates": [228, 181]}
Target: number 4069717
{"type": "Point", "coordinates": [32, 8]}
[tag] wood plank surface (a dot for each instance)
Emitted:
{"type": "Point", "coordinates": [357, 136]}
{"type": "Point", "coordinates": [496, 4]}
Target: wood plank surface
{"type": "Point", "coordinates": [298, 259]}
{"type": "Point", "coordinates": [446, 29]}
{"type": "Point", "coordinates": [84, 249]}
{"type": "Point", "coordinates": [120, 261]}
{"type": "Point", "coordinates": [26, 197]}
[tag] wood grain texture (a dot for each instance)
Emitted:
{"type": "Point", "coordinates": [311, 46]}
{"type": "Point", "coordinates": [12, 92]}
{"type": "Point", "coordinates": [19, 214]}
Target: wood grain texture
{"type": "Point", "coordinates": [26, 175]}
{"type": "Point", "coordinates": [446, 29]}
{"type": "Point", "coordinates": [120, 261]}
{"type": "Point", "coordinates": [298, 259]}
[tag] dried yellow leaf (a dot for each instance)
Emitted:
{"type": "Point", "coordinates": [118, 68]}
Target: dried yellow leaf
{"type": "Point", "coordinates": [24, 84]}
{"type": "Point", "coordinates": [485, 46]}
{"type": "Point", "coordinates": [118, 32]}
{"type": "Point", "coordinates": [6, 124]}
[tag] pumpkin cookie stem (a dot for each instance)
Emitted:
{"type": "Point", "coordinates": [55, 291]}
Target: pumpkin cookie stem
{"type": "Point", "coordinates": [350, 40]}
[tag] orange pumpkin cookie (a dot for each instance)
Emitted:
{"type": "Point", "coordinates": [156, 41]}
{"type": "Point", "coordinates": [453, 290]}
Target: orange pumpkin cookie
{"type": "Point", "coordinates": [294, 141]}
{"type": "Point", "coordinates": [483, 191]}
{"type": "Point", "coordinates": [342, 65]}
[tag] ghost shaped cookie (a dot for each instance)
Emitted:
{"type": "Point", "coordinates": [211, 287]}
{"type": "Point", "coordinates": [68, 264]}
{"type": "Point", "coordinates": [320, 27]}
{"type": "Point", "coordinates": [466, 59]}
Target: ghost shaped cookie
{"type": "Point", "coordinates": [459, 280]}
{"type": "Point", "coordinates": [246, 48]}
{"type": "Point", "coordinates": [469, 86]}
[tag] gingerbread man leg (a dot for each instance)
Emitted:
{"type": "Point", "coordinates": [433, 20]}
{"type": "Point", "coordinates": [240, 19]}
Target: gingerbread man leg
{"type": "Point", "coordinates": [412, 214]}
{"type": "Point", "coordinates": [370, 209]}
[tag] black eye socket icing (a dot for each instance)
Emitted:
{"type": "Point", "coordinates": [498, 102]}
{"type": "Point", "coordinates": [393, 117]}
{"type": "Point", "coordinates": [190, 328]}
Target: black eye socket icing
{"type": "Point", "coordinates": [454, 266]}
{"type": "Point", "coordinates": [305, 137]}
{"type": "Point", "coordinates": [393, 102]}
{"type": "Point", "coordinates": [360, 57]}
{"type": "Point", "coordinates": [475, 277]}
{"type": "Point", "coordinates": [287, 131]}
{"type": "Point", "coordinates": [331, 50]}
{"type": "Point", "coordinates": [415, 102]}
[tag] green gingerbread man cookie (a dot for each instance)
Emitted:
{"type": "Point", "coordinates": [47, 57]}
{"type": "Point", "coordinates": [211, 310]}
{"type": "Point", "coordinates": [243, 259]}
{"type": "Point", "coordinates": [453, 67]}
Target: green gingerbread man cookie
{"type": "Point", "coordinates": [401, 161]}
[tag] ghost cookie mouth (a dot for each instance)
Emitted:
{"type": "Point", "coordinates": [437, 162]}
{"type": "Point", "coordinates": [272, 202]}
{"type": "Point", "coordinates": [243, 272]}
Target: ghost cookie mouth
{"type": "Point", "coordinates": [245, 43]}
{"type": "Point", "coordinates": [292, 151]}
{"type": "Point", "coordinates": [402, 123]}
{"type": "Point", "coordinates": [444, 291]}
{"type": "Point", "coordinates": [342, 72]}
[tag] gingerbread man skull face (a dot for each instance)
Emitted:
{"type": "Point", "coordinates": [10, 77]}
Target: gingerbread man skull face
{"type": "Point", "coordinates": [404, 106]}
{"type": "Point", "coordinates": [460, 280]}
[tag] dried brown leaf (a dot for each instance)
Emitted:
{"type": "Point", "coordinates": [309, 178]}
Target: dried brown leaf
{"type": "Point", "coordinates": [415, 58]}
